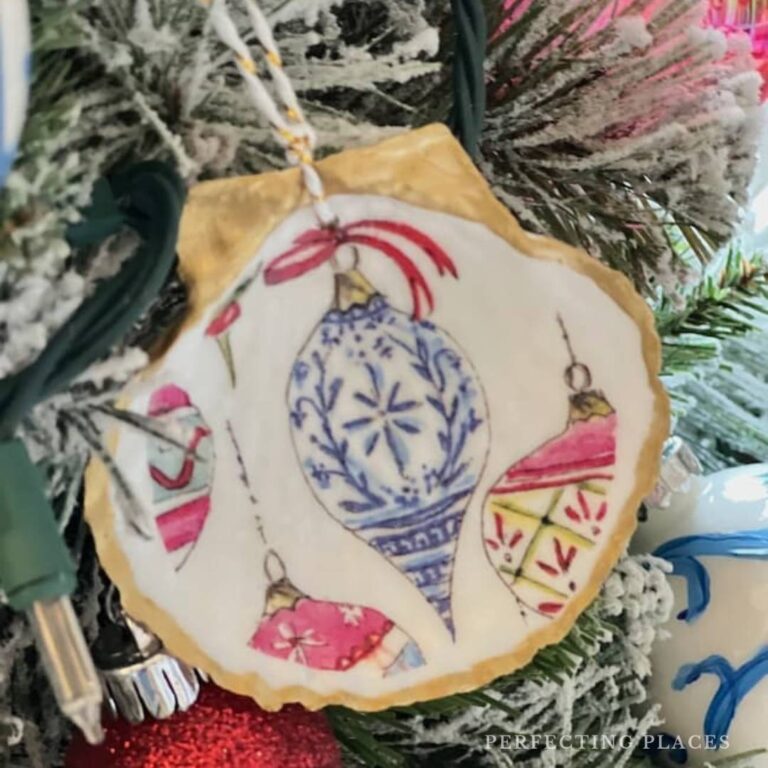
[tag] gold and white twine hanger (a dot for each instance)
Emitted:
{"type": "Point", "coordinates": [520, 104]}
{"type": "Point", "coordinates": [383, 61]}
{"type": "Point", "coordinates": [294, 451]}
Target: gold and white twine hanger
{"type": "Point", "coordinates": [284, 115]}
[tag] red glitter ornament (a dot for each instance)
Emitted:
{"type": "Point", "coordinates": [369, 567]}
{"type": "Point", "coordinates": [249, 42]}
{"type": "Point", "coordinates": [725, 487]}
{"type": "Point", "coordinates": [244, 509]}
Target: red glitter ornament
{"type": "Point", "coordinates": [221, 729]}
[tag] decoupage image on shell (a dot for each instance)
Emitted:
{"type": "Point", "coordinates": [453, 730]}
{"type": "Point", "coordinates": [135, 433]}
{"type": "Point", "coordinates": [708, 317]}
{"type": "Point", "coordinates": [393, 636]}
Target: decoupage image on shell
{"type": "Point", "coordinates": [395, 456]}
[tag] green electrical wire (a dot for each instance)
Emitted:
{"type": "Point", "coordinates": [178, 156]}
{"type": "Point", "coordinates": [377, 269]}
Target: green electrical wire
{"type": "Point", "coordinates": [147, 198]}
{"type": "Point", "coordinates": [35, 566]}
{"type": "Point", "coordinates": [37, 574]}
{"type": "Point", "coordinates": [468, 111]}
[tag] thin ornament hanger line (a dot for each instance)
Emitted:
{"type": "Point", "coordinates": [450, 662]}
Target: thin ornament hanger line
{"type": "Point", "coordinates": [272, 560]}
{"type": "Point", "coordinates": [274, 565]}
{"type": "Point", "coordinates": [576, 367]}
{"type": "Point", "coordinates": [286, 119]}
{"type": "Point", "coordinates": [245, 480]}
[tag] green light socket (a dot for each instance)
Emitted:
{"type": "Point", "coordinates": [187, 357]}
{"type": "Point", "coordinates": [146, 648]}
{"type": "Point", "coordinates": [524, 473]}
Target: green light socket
{"type": "Point", "coordinates": [34, 561]}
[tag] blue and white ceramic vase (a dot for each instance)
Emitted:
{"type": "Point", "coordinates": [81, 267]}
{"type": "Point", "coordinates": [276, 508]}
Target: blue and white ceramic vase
{"type": "Point", "coordinates": [390, 426]}
{"type": "Point", "coordinates": [711, 674]}
{"type": "Point", "coordinates": [14, 79]}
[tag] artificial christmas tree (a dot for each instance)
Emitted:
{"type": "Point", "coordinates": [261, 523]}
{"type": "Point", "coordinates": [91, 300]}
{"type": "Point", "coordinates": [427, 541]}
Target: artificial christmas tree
{"type": "Point", "coordinates": [624, 128]}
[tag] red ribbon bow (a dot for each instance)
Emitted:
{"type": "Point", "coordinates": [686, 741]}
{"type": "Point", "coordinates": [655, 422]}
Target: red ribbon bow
{"type": "Point", "coordinates": [317, 246]}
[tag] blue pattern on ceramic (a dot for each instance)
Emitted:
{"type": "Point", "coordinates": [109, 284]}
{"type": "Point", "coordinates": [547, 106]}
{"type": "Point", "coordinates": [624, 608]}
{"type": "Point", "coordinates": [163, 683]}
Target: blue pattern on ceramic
{"type": "Point", "coordinates": [683, 552]}
{"type": "Point", "coordinates": [15, 63]}
{"type": "Point", "coordinates": [390, 425]}
{"type": "Point", "coordinates": [735, 684]}
{"type": "Point", "coordinates": [7, 148]}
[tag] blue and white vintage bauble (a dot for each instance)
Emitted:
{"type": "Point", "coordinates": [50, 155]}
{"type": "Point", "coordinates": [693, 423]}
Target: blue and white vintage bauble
{"type": "Point", "coordinates": [391, 427]}
{"type": "Point", "coordinates": [14, 78]}
{"type": "Point", "coordinates": [711, 674]}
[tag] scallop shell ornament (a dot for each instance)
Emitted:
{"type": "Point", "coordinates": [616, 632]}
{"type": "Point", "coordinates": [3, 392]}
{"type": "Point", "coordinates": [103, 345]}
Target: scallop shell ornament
{"type": "Point", "coordinates": [444, 429]}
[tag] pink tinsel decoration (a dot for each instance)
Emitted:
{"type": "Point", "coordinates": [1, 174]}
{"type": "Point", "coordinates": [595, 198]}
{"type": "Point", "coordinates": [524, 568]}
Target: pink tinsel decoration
{"type": "Point", "coordinates": [749, 17]}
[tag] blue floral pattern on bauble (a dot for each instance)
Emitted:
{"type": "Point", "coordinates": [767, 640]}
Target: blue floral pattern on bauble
{"type": "Point", "coordinates": [391, 428]}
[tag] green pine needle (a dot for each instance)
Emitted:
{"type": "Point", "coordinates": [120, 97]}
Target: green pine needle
{"type": "Point", "coordinates": [730, 301]}
{"type": "Point", "coordinates": [367, 736]}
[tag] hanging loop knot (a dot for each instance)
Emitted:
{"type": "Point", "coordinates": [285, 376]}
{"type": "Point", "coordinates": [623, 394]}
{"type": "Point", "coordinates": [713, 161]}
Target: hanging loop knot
{"type": "Point", "coordinates": [299, 142]}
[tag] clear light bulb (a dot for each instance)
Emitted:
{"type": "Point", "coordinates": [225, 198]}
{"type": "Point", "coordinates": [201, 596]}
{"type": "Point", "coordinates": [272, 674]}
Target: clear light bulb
{"type": "Point", "coordinates": [69, 665]}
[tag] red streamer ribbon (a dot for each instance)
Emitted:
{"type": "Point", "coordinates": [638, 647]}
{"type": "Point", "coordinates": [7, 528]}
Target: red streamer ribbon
{"type": "Point", "coordinates": [315, 247]}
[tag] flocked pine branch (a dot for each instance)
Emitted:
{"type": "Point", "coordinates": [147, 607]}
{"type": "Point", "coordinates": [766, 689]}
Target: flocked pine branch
{"type": "Point", "coordinates": [723, 412]}
{"type": "Point", "coordinates": [610, 120]}
{"type": "Point", "coordinates": [730, 301]}
{"type": "Point", "coordinates": [714, 348]}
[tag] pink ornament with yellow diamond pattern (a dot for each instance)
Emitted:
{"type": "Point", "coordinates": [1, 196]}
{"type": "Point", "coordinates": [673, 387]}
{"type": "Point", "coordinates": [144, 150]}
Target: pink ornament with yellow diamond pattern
{"type": "Point", "coordinates": [549, 508]}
